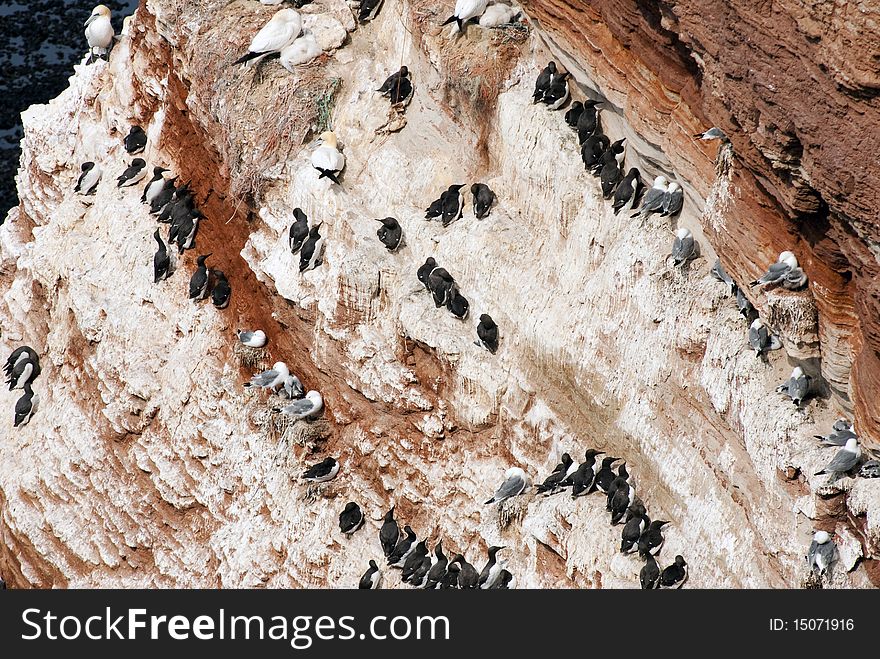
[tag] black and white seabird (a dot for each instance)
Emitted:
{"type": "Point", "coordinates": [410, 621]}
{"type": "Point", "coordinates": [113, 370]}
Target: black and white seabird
{"type": "Point", "coordinates": [637, 522]}
{"type": "Point", "coordinates": [441, 284]}
{"type": "Point", "coordinates": [371, 578]}
{"type": "Point", "coordinates": [198, 283]}
{"type": "Point", "coordinates": [684, 247]}
{"type": "Point", "coordinates": [161, 260]}
{"type": "Point", "coordinates": [583, 480]}
{"type": "Point", "coordinates": [254, 339]}
{"type": "Point", "coordinates": [20, 354]}
{"type": "Point", "coordinates": [327, 158]}
{"type": "Point", "coordinates": [403, 548]}
{"type": "Point", "coordinates": [588, 123]}
{"type": "Point", "coordinates": [25, 406]}
{"type": "Point", "coordinates": [543, 81]}
{"type": "Point", "coordinates": [760, 338]}
{"type": "Point", "coordinates": [450, 579]}
{"type": "Point", "coordinates": [389, 533]}
{"type": "Point", "coordinates": [797, 387]}
{"type": "Point", "coordinates": [562, 471]}
{"type": "Point", "coordinates": [611, 173]}
{"type": "Point", "coordinates": [368, 10]}
{"type": "Point", "coordinates": [483, 199]}
{"type": "Point", "coordinates": [649, 575]}
{"type": "Point", "coordinates": [675, 575]}
{"type": "Point", "coordinates": [281, 31]}
{"type": "Point", "coordinates": [351, 518]}
{"type": "Point", "coordinates": [652, 539]}
{"type": "Point", "coordinates": [397, 87]}
{"type": "Point", "coordinates": [870, 469]}
{"type": "Point", "coordinates": [310, 256]}
{"type": "Point", "coordinates": [845, 460]}
{"type": "Point", "coordinates": [99, 33]}
{"type": "Point", "coordinates": [652, 201]}
{"type": "Point", "coordinates": [135, 141]}
{"type": "Point", "coordinates": [457, 304]}
{"type": "Point", "coordinates": [414, 561]}
{"type": "Point", "coordinates": [162, 197]}
{"type": "Point", "coordinates": [503, 581]}
{"type": "Point", "coordinates": [271, 378]}
{"type": "Point", "coordinates": [574, 113]}
{"type": "Point", "coordinates": [186, 232]}
{"type": "Point", "coordinates": [222, 290]}
{"type": "Point", "coordinates": [621, 477]}
{"type": "Point", "coordinates": [133, 174]}
{"type": "Point", "coordinates": [492, 570]}
{"type": "Point", "coordinates": [822, 553]}
{"type": "Point", "coordinates": [613, 155]}
{"type": "Point", "coordinates": [557, 93]}
{"type": "Point", "coordinates": [623, 497]}
{"type": "Point", "coordinates": [452, 203]}
{"type": "Point", "coordinates": [438, 568]}
{"type": "Point", "coordinates": [515, 483]}
{"type": "Point", "coordinates": [24, 371]}
{"type": "Point", "coordinates": [424, 272]}
{"type": "Point", "coordinates": [593, 149]}
{"type": "Point", "coordinates": [155, 185]}
{"type": "Point", "coordinates": [777, 271]}
{"type": "Point", "coordinates": [605, 476]}
{"type": "Point", "coordinates": [390, 233]}
{"type": "Point", "coordinates": [467, 574]}
{"type": "Point", "coordinates": [465, 10]}
{"type": "Point", "coordinates": [627, 191]}
{"type": "Point", "coordinates": [718, 272]}
{"type": "Point", "coordinates": [435, 209]}
{"type": "Point", "coordinates": [673, 199]}
{"type": "Point", "coordinates": [487, 333]}
{"type": "Point", "coordinates": [308, 407]}
{"type": "Point", "coordinates": [298, 232]}
{"type": "Point", "coordinates": [322, 472]}
{"type": "Point", "coordinates": [88, 181]}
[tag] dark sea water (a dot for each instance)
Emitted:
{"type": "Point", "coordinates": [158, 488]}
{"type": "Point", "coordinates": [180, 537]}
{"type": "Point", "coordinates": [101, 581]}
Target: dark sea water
{"type": "Point", "coordinates": [41, 41]}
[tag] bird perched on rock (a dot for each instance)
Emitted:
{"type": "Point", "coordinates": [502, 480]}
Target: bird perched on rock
{"type": "Point", "coordinates": [468, 578]}
{"type": "Point", "coordinates": [303, 50]}
{"type": "Point", "coordinates": [543, 81]}
{"type": "Point", "coordinates": [198, 283]}
{"type": "Point", "coordinates": [504, 580]}
{"type": "Point", "coordinates": [487, 333]}
{"type": "Point", "coordinates": [20, 355]}
{"type": "Point", "coordinates": [483, 199]}
{"type": "Point", "coordinates": [448, 207]}
{"type": "Point", "coordinates": [574, 113]}
{"type": "Point", "coordinates": [390, 233]}
{"type": "Point", "coordinates": [673, 200]}
{"type": "Point", "coordinates": [684, 247]}
{"type": "Point", "coordinates": [649, 575]}
{"type": "Point", "coordinates": [299, 231]}
{"type": "Point", "coordinates": [465, 10]}
{"type": "Point", "coordinates": [557, 93]}
{"type": "Point", "coordinates": [136, 140]}
{"type": "Point", "coordinates": [637, 522]}
{"type": "Point", "coordinates": [491, 571]}
{"type": "Point", "coordinates": [777, 272]}
{"type": "Point", "coordinates": [415, 560]}
{"type": "Point", "coordinates": [368, 10]}
{"type": "Point", "coordinates": [611, 173]}
{"type": "Point", "coordinates": [161, 260]}
{"type": "Point", "coordinates": [563, 470]}
{"type": "Point", "coordinates": [327, 158]}
{"type": "Point", "coordinates": [255, 339]}
{"type": "Point", "coordinates": [675, 575]}
{"type": "Point", "coordinates": [271, 378]}
{"type": "Point", "coordinates": [424, 272]}
{"type": "Point", "coordinates": [450, 579]}
{"type": "Point", "coordinates": [652, 539]}
{"type": "Point", "coordinates": [292, 388]}
{"type": "Point", "coordinates": [611, 157]}
{"type": "Point", "coordinates": [88, 181]}
{"type": "Point", "coordinates": [389, 533]}
{"type": "Point", "coordinates": [713, 133]}
{"type": "Point", "coordinates": [583, 480]}
{"type": "Point", "coordinates": [841, 432]}
{"type": "Point", "coordinates": [325, 470]}
{"type": "Point", "coordinates": [621, 495]}
{"type": "Point", "coordinates": [588, 122]}
{"type": "Point", "coordinates": [760, 338]}
{"type": "Point", "coordinates": [306, 408]}
{"type": "Point", "coordinates": [593, 148]}
{"type": "Point", "coordinates": [745, 307]}
{"type": "Point", "coordinates": [627, 191]}
{"type": "Point", "coordinates": [822, 553]}
{"type": "Point", "coordinates": [718, 272]}
{"type": "Point", "coordinates": [133, 174]}
{"type": "Point", "coordinates": [515, 483]}
{"type": "Point", "coordinates": [25, 370]}
{"type": "Point", "coordinates": [311, 254]}
{"type": "Point", "coordinates": [497, 15]}
{"type": "Point", "coordinates": [351, 518]}
{"type": "Point", "coordinates": [652, 202]}
{"type": "Point", "coordinates": [222, 290]}
{"type": "Point", "coordinates": [404, 547]}
{"type": "Point", "coordinates": [845, 461]}
{"type": "Point", "coordinates": [25, 406]}
{"type": "Point", "coordinates": [441, 285]}
{"type": "Point", "coordinates": [457, 304]}
{"type": "Point", "coordinates": [438, 568]}
{"type": "Point", "coordinates": [371, 578]}
{"type": "Point", "coordinates": [99, 33]}
{"type": "Point", "coordinates": [281, 30]}
{"type": "Point", "coordinates": [797, 387]}
{"type": "Point", "coordinates": [397, 87]}
{"type": "Point", "coordinates": [155, 185]}
{"type": "Point", "coordinates": [605, 476]}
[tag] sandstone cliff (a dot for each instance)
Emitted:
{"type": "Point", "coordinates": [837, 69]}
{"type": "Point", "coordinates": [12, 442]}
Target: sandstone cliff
{"type": "Point", "coordinates": [147, 465]}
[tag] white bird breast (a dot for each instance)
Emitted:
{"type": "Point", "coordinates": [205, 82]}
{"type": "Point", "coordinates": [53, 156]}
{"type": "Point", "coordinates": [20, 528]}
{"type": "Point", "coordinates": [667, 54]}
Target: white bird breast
{"type": "Point", "coordinates": [302, 51]}
{"type": "Point", "coordinates": [276, 34]}
{"type": "Point", "coordinates": [99, 33]}
{"type": "Point", "coordinates": [467, 9]}
{"type": "Point", "coordinates": [326, 157]}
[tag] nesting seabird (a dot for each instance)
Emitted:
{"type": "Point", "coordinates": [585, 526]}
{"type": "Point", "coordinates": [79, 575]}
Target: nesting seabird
{"type": "Point", "coordinates": [673, 199]}
{"type": "Point", "coordinates": [795, 279]}
{"type": "Point", "coordinates": [797, 387]}
{"type": "Point", "coordinates": [776, 273]}
{"type": "Point", "coordinates": [870, 469]}
{"type": "Point", "coordinates": [351, 518]}
{"type": "Point", "coordinates": [424, 272]}
{"type": "Point", "coordinates": [25, 406]}
{"type": "Point", "coordinates": [198, 283]}
{"type": "Point", "coordinates": [397, 87]}
{"type": "Point", "coordinates": [161, 193]}
{"type": "Point", "coordinates": [403, 548]}
{"type": "Point", "coordinates": [303, 50]}
{"type": "Point", "coordinates": [822, 553]}
{"type": "Point", "coordinates": [760, 338]}
{"type": "Point", "coordinates": [492, 570]}
{"type": "Point", "coordinates": [605, 476]}
{"type": "Point", "coordinates": [311, 254]}
{"type": "Point", "coordinates": [845, 461]}
{"type": "Point", "coordinates": [574, 113]}
{"type": "Point", "coordinates": [483, 199]}
{"type": "Point", "coordinates": [613, 155]}
{"type": "Point", "coordinates": [487, 333]}
{"type": "Point", "coordinates": [88, 181]}
{"type": "Point", "coordinates": [588, 124]}
{"type": "Point", "coordinates": [611, 172]}
{"type": "Point", "coordinates": [292, 388]}
{"type": "Point", "coordinates": [389, 533]}
{"type": "Point", "coordinates": [684, 247]}
{"type": "Point", "coordinates": [371, 578]}
{"type": "Point", "coordinates": [452, 203]}
{"type": "Point", "coordinates": [450, 579]}
{"type": "Point", "coordinates": [744, 305]}
{"type": "Point", "coordinates": [306, 408]}
{"type": "Point", "coordinates": [133, 174]}
{"type": "Point", "coordinates": [136, 140]}
{"type": "Point", "coordinates": [637, 522]}
{"type": "Point", "coordinates": [23, 372]}
{"type": "Point", "coordinates": [557, 93]}
{"type": "Point", "coordinates": [503, 581]}
{"type": "Point", "coordinates": [274, 36]}
{"type": "Point", "coordinates": [621, 478]}
{"type": "Point", "coordinates": [627, 191]}
{"type": "Point", "coordinates": [299, 231]}
{"type": "Point", "coordinates": [584, 478]}
{"type": "Point", "coordinates": [652, 201]}
{"type": "Point", "coordinates": [222, 290]}
{"type": "Point", "coordinates": [438, 568]}
{"type": "Point", "coordinates": [718, 272]}
{"type": "Point", "coordinates": [649, 575]}
{"type": "Point", "coordinates": [562, 471]}
{"type": "Point", "coordinates": [441, 284]}
{"type": "Point", "coordinates": [497, 15]}
{"type": "Point", "coordinates": [593, 148]}
{"type": "Point", "coordinates": [465, 10]}
{"type": "Point", "coordinates": [515, 483]}
{"type": "Point", "coordinates": [713, 133]}
{"type": "Point", "coordinates": [255, 339]}
{"type": "Point", "coordinates": [621, 499]}
{"type": "Point", "coordinates": [327, 158]}
{"type": "Point", "coordinates": [186, 231]}
{"type": "Point", "coordinates": [543, 81]}
{"type": "Point", "coordinates": [99, 33]}
{"type": "Point", "coordinates": [652, 539]}
{"type": "Point", "coordinates": [468, 578]}
{"type": "Point", "coordinates": [674, 576]}
{"type": "Point", "coordinates": [390, 233]}
{"type": "Point", "coordinates": [161, 260]}
{"type": "Point", "coordinates": [270, 379]}
{"type": "Point", "coordinates": [20, 354]}
{"type": "Point", "coordinates": [368, 10]}
{"type": "Point", "coordinates": [457, 304]}
{"type": "Point", "coordinates": [837, 437]}
{"type": "Point", "coordinates": [322, 472]}
{"type": "Point", "coordinates": [414, 560]}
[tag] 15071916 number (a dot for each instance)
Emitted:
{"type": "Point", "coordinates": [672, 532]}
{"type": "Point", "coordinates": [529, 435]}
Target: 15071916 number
{"type": "Point", "coordinates": [823, 624]}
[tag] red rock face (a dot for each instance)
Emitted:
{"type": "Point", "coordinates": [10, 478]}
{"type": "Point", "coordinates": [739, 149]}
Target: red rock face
{"type": "Point", "coordinates": [795, 86]}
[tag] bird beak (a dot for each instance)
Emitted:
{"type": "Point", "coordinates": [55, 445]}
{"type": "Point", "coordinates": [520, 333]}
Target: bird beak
{"type": "Point", "coordinates": [91, 18]}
